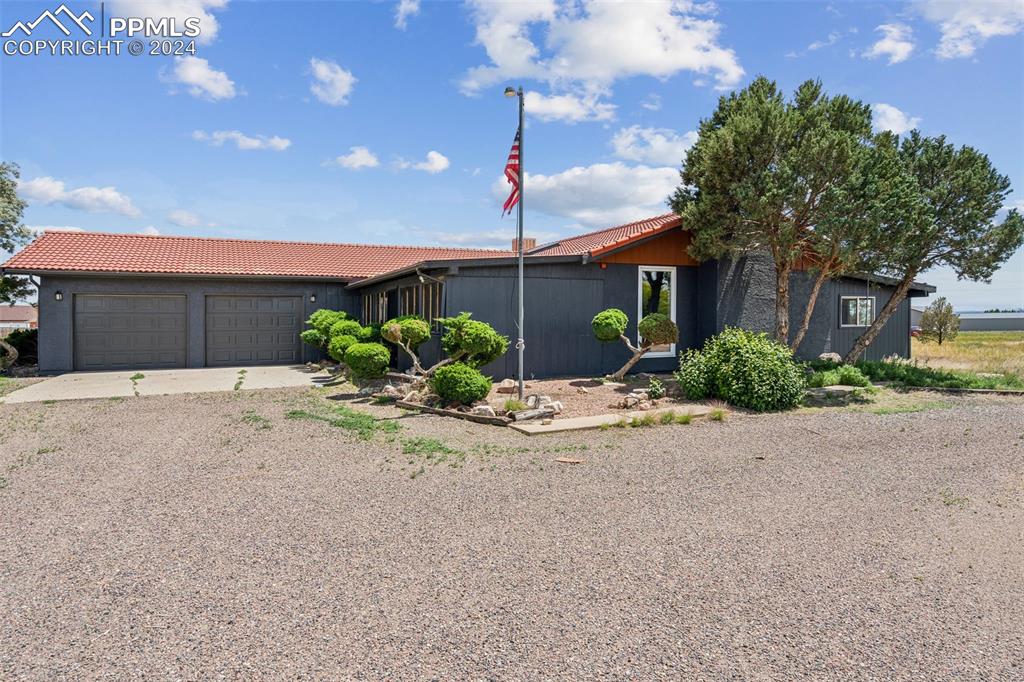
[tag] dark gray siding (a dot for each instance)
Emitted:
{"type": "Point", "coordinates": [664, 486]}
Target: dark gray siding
{"type": "Point", "coordinates": [895, 335]}
{"type": "Point", "coordinates": [56, 317]}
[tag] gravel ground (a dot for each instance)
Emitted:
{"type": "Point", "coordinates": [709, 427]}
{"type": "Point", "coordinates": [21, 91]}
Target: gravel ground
{"type": "Point", "coordinates": [201, 537]}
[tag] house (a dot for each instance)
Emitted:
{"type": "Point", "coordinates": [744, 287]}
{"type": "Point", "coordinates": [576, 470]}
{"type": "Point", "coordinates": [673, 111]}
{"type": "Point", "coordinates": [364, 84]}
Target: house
{"type": "Point", "coordinates": [17, 317]}
{"type": "Point", "coordinates": [915, 316]}
{"type": "Point", "coordinates": [117, 301]}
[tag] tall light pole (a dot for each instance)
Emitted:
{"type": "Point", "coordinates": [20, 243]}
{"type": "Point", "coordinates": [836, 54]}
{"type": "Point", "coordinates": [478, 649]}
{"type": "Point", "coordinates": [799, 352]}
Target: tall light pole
{"type": "Point", "coordinates": [520, 344]}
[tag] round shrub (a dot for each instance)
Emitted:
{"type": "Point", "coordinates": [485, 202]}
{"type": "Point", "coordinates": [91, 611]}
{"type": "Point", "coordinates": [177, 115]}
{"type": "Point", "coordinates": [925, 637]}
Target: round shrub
{"type": "Point", "coordinates": [851, 376]}
{"type": "Point", "coordinates": [345, 328]}
{"type": "Point", "coordinates": [411, 330]}
{"type": "Point", "coordinates": [313, 338]}
{"type": "Point", "coordinates": [657, 329]}
{"type": "Point", "coordinates": [473, 343]}
{"type": "Point", "coordinates": [460, 383]}
{"type": "Point", "coordinates": [367, 360]}
{"type": "Point", "coordinates": [369, 334]}
{"type": "Point", "coordinates": [744, 369]}
{"type": "Point", "coordinates": [339, 345]}
{"type": "Point", "coordinates": [609, 325]}
{"type": "Point", "coordinates": [323, 319]}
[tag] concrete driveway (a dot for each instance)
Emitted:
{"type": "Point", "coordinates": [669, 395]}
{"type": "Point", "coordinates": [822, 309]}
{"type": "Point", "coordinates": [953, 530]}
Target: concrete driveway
{"type": "Point", "coordinates": [79, 385]}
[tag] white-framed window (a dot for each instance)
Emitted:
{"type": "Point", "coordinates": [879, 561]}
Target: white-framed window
{"type": "Point", "coordinates": [856, 311]}
{"type": "Point", "coordinates": [656, 293]}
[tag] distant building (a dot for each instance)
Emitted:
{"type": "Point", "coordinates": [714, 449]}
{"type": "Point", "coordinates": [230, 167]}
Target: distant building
{"type": "Point", "coordinates": [17, 317]}
{"type": "Point", "coordinates": [990, 322]}
{"type": "Point", "coordinates": [915, 316]}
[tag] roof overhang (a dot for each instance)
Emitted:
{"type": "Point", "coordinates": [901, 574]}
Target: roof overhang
{"type": "Point", "coordinates": [452, 266]}
{"type": "Point", "coordinates": [172, 275]}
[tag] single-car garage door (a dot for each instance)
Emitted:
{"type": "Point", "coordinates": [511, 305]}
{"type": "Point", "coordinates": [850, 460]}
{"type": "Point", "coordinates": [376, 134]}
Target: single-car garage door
{"type": "Point", "coordinates": [129, 332]}
{"type": "Point", "coordinates": [253, 330]}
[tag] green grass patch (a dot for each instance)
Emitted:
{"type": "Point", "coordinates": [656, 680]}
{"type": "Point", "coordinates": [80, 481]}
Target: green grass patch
{"type": "Point", "coordinates": [667, 417]}
{"type": "Point", "coordinates": [951, 499]}
{"type": "Point", "coordinates": [843, 375]}
{"type": "Point", "coordinates": [910, 374]}
{"type": "Point", "coordinates": [259, 421]}
{"type": "Point", "coordinates": [364, 425]}
{"type": "Point", "coordinates": [138, 376]}
{"type": "Point", "coordinates": [907, 408]}
{"type": "Point", "coordinates": [717, 415]}
{"type": "Point", "coordinates": [514, 405]}
{"type": "Point", "coordinates": [684, 418]}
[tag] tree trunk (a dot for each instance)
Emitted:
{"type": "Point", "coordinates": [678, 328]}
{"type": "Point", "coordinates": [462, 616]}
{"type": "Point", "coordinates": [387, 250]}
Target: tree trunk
{"type": "Point", "coordinates": [865, 339]}
{"type": "Point", "coordinates": [782, 302]}
{"type": "Point", "coordinates": [416, 366]}
{"type": "Point", "coordinates": [11, 357]}
{"type": "Point", "coordinates": [805, 323]}
{"type": "Point", "coordinates": [638, 352]}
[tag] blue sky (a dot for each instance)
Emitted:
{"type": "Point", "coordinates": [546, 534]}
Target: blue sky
{"type": "Point", "coordinates": [330, 121]}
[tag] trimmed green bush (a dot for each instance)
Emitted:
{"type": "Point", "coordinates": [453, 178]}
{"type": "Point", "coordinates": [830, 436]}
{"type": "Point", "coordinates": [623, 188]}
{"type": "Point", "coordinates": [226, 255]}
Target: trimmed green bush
{"type": "Point", "coordinates": [609, 325]}
{"type": "Point", "coordinates": [657, 329]}
{"type": "Point", "coordinates": [313, 337]}
{"type": "Point", "coordinates": [367, 360]}
{"type": "Point", "coordinates": [323, 319]}
{"type": "Point", "coordinates": [345, 328]}
{"type": "Point", "coordinates": [844, 375]}
{"type": "Point", "coordinates": [370, 334]}
{"type": "Point", "coordinates": [744, 369]}
{"type": "Point", "coordinates": [339, 345]}
{"type": "Point", "coordinates": [471, 342]}
{"type": "Point", "coordinates": [408, 330]}
{"type": "Point", "coordinates": [460, 383]}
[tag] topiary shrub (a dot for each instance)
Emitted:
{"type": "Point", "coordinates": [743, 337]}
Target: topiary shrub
{"type": "Point", "coordinates": [744, 369]}
{"type": "Point", "coordinates": [367, 360]}
{"type": "Point", "coordinates": [345, 327]}
{"type": "Point", "coordinates": [472, 342]}
{"type": "Point", "coordinates": [370, 334]}
{"type": "Point", "coordinates": [25, 343]}
{"type": "Point", "coordinates": [609, 325]}
{"type": "Point", "coordinates": [655, 329]}
{"type": "Point", "coordinates": [323, 319]}
{"type": "Point", "coordinates": [460, 383]}
{"type": "Point", "coordinates": [313, 337]}
{"type": "Point", "coordinates": [339, 345]}
{"type": "Point", "coordinates": [408, 333]}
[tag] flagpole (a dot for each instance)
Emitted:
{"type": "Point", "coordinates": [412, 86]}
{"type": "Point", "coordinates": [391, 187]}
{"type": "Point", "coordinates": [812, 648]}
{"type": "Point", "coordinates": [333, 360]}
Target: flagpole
{"type": "Point", "coordinates": [520, 344]}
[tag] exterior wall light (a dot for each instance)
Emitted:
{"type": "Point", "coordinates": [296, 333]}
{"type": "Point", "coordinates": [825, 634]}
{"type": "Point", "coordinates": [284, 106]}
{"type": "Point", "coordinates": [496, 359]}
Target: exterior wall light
{"type": "Point", "coordinates": [58, 295]}
{"type": "Point", "coordinates": [312, 298]}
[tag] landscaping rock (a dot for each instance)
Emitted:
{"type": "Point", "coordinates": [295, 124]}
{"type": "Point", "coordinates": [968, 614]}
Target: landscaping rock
{"type": "Point", "coordinates": [582, 389]}
{"type": "Point", "coordinates": [831, 357]}
{"type": "Point", "coordinates": [537, 413]}
{"type": "Point", "coordinates": [412, 397]}
{"type": "Point", "coordinates": [556, 405]}
{"type": "Point", "coordinates": [506, 386]}
{"type": "Point", "coordinates": [484, 411]}
{"type": "Point", "coordinates": [830, 396]}
{"type": "Point", "coordinates": [532, 401]}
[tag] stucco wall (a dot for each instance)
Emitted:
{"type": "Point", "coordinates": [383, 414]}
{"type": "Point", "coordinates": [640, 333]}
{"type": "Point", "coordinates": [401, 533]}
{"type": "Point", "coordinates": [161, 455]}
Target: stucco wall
{"type": "Point", "coordinates": [56, 317]}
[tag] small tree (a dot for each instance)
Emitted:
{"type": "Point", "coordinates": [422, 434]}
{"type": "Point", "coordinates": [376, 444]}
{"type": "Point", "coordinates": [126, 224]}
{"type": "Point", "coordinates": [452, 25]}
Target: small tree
{"type": "Point", "coordinates": [655, 329]}
{"type": "Point", "coordinates": [408, 333]}
{"type": "Point", "coordinates": [470, 341]}
{"type": "Point", "coordinates": [320, 325]}
{"type": "Point", "coordinates": [947, 216]}
{"type": "Point", "coordinates": [12, 235]}
{"type": "Point", "coordinates": [939, 323]}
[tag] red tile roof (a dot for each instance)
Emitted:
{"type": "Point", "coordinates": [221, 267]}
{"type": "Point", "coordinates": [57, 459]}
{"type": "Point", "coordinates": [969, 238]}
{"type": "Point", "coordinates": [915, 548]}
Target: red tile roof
{"type": "Point", "coordinates": [602, 241]}
{"type": "Point", "coordinates": [62, 251]}
{"type": "Point", "coordinates": [18, 313]}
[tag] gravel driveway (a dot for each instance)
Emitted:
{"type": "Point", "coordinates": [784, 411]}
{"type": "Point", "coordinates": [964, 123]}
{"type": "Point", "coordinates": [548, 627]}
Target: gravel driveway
{"type": "Point", "coordinates": [208, 536]}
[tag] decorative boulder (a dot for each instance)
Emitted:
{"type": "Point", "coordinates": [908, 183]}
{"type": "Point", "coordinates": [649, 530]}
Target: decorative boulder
{"type": "Point", "coordinates": [831, 357]}
{"type": "Point", "coordinates": [506, 386]}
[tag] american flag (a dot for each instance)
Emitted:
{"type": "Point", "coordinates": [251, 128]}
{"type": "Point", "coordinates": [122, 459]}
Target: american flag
{"type": "Point", "coordinates": [512, 175]}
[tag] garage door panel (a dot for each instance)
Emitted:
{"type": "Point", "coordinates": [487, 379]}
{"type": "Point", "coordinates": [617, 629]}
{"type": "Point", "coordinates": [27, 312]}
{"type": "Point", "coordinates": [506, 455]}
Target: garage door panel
{"type": "Point", "coordinates": [253, 330]}
{"type": "Point", "coordinates": [129, 331]}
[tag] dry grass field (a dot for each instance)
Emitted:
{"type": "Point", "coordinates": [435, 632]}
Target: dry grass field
{"type": "Point", "coordinates": [996, 352]}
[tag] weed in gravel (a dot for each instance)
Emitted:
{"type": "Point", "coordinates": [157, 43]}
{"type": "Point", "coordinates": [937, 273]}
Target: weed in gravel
{"type": "Point", "coordinates": [646, 420]}
{"type": "Point", "coordinates": [904, 409]}
{"type": "Point", "coordinates": [49, 402]}
{"type": "Point", "coordinates": [135, 379]}
{"type": "Point", "coordinates": [4, 483]}
{"type": "Point", "coordinates": [951, 499]}
{"type": "Point", "coordinates": [432, 451]}
{"type": "Point", "coordinates": [364, 425]}
{"type": "Point", "coordinates": [241, 379]}
{"type": "Point", "coordinates": [684, 418]}
{"type": "Point", "coordinates": [667, 417]}
{"type": "Point", "coordinates": [514, 405]}
{"type": "Point", "coordinates": [384, 399]}
{"type": "Point", "coordinates": [259, 421]}
{"type": "Point", "coordinates": [717, 415]}
{"type": "Point", "coordinates": [116, 398]}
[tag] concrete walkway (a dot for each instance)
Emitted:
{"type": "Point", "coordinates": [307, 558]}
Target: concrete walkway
{"type": "Point", "coordinates": [81, 385]}
{"type": "Point", "coordinates": [533, 428]}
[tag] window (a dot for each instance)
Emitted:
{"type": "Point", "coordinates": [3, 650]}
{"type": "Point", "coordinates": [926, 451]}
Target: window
{"type": "Point", "coordinates": [657, 294]}
{"type": "Point", "coordinates": [856, 311]}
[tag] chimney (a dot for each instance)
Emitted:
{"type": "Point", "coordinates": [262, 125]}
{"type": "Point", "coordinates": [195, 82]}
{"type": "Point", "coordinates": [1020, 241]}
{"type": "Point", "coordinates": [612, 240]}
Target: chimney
{"type": "Point", "coordinates": [528, 243]}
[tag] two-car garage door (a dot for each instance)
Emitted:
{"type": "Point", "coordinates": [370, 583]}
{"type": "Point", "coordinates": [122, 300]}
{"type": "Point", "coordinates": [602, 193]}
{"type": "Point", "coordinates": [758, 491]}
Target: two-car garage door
{"type": "Point", "coordinates": [150, 331]}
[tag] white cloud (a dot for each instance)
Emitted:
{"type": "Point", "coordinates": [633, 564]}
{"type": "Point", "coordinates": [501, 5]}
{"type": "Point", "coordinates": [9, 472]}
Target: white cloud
{"type": "Point", "coordinates": [37, 230]}
{"type": "Point", "coordinates": [965, 26]}
{"type": "Point", "coordinates": [433, 164]}
{"type": "Point", "coordinates": [200, 79]}
{"type": "Point", "coordinates": [47, 190]}
{"type": "Point", "coordinates": [832, 39]}
{"type": "Point", "coordinates": [598, 195]}
{"type": "Point", "coordinates": [888, 117]}
{"type": "Point", "coordinates": [149, 230]}
{"type": "Point", "coordinates": [404, 10]}
{"type": "Point", "coordinates": [488, 239]}
{"type": "Point", "coordinates": [652, 102]}
{"type": "Point", "coordinates": [179, 10]}
{"type": "Point", "coordinates": [896, 43]}
{"type": "Point", "coordinates": [183, 218]}
{"type": "Point", "coordinates": [358, 157]}
{"type": "Point", "coordinates": [331, 83]}
{"type": "Point", "coordinates": [659, 146]}
{"type": "Point", "coordinates": [592, 44]}
{"type": "Point", "coordinates": [568, 108]}
{"type": "Point", "coordinates": [244, 142]}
